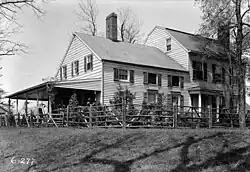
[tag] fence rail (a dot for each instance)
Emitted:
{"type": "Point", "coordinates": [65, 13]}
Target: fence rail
{"type": "Point", "coordinates": [136, 116]}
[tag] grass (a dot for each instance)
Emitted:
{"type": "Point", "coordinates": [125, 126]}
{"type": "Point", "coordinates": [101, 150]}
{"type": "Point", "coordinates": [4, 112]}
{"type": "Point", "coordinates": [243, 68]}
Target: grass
{"type": "Point", "coordinates": [118, 150]}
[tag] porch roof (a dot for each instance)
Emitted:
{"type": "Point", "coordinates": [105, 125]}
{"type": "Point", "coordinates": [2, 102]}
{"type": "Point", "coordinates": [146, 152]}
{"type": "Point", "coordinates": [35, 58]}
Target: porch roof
{"type": "Point", "coordinates": [205, 87]}
{"type": "Point", "coordinates": [40, 90]}
{"type": "Point", "coordinates": [32, 92]}
{"type": "Point", "coordinates": [81, 84]}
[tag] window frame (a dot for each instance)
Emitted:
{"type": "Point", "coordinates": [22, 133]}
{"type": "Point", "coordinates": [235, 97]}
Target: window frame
{"type": "Point", "coordinates": [76, 67]}
{"type": "Point", "coordinates": [117, 75]}
{"type": "Point", "coordinates": [89, 62]}
{"type": "Point", "coordinates": [179, 79]}
{"type": "Point", "coordinates": [199, 72]}
{"type": "Point", "coordinates": [168, 44]}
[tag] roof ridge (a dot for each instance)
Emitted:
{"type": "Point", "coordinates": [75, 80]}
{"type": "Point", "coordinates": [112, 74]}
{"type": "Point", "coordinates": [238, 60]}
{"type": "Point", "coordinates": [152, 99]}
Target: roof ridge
{"type": "Point", "coordinates": [192, 34]}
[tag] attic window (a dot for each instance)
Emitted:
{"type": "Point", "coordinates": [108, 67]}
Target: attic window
{"type": "Point", "coordinates": [88, 62]}
{"type": "Point", "coordinates": [76, 67]}
{"type": "Point", "coordinates": [168, 44]}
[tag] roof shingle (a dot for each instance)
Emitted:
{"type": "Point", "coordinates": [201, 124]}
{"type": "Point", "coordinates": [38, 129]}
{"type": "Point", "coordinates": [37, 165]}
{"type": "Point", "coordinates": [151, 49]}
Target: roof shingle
{"type": "Point", "coordinates": [129, 53]}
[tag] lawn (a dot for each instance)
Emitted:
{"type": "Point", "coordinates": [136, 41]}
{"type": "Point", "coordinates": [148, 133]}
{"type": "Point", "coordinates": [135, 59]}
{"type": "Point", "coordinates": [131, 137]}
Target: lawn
{"type": "Point", "coordinates": [118, 150]}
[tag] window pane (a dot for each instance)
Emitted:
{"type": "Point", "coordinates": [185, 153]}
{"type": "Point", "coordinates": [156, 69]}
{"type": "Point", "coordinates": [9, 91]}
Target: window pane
{"type": "Point", "coordinates": [151, 78]}
{"type": "Point", "coordinates": [123, 74]}
{"type": "Point", "coordinates": [151, 97]}
{"type": "Point", "coordinates": [175, 81]}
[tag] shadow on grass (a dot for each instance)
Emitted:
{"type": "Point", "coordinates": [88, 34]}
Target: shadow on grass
{"type": "Point", "coordinates": [49, 153]}
{"type": "Point", "coordinates": [236, 159]}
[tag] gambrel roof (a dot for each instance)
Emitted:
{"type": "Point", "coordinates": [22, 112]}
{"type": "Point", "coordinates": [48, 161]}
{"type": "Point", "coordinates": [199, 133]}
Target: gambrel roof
{"type": "Point", "coordinates": [129, 53]}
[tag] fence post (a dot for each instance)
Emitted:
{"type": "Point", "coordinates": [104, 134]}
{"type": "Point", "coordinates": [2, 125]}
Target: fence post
{"type": "Point", "coordinates": [67, 116]}
{"type": "Point", "coordinates": [123, 114]}
{"type": "Point", "coordinates": [175, 116]}
{"type": "Point", "coordinates": [90, 116]}
{"type": "Point", "coordinates": [210, 119]}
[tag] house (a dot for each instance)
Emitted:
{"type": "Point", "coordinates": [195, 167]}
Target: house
{"type": "Point", "coordinates": [205, 60]}
{"type": "Point", "coordinates": [94, 66]}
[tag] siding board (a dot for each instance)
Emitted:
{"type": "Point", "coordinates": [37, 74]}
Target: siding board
{"type": "Point", "coordinates": [77, 51]}
{"type": "Point", "coordinates": [157, 39]}
{"type": "Point", "coordinates": [110, 86]}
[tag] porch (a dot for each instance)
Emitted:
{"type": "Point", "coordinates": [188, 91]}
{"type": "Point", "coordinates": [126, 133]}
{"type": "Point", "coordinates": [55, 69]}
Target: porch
{"type": "Point", "coordinates": [204, 99]}
{"type": "Point", "coordinates": [52, 95]}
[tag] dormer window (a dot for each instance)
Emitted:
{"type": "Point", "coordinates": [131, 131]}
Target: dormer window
{"type": "Point", "coordinates": [168, 44]}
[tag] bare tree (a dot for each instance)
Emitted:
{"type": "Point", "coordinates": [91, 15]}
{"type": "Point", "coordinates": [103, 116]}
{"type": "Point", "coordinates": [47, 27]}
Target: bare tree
{"type": "Point", "coordinates": [237, 14]}
{"type": "Point", "coordinates": [129, 25]}
{"type": "Point", "coordinates": [9, 24]}
{"type": "Point", "coordinates": [88, 15]}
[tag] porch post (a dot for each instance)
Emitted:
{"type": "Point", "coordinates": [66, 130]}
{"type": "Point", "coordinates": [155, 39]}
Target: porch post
{"type": "Point", "coordinates": [217, 108]}
{"type": "Point", "coordinates": [37, 99]}
{"type": "Point", "coordinates": [9, 102]}
{"type": "Point", "coordinates": [17, 105]}
{"type": "Point", "coordinates": [17, 115]}
{"type": "Point", "coordinates": [199, 103]}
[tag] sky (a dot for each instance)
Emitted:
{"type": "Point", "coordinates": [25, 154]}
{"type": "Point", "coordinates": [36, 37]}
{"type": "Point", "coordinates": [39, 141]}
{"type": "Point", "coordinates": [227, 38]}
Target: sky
{"type": "Point", "coordinates": [49, 37]}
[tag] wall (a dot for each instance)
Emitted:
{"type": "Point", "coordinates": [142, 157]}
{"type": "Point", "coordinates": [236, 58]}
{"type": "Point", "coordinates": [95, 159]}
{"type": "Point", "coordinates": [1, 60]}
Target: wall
{"type": "Point", "coordinates": [110, 86]}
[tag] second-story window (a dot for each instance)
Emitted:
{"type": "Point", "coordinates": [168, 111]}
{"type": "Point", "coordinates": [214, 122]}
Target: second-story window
{"type": "Point", "coordinates": [217, 73]}
{"type": "Point", "coordinates": [152, 78]}
{"type": "Point", "coordinates": [175, 81]}
{"type": "Point", "coordinates": [123, 75]}
{"type": "Point", "coordinates": [64, 72]}
{"type": "Point", "coordinates": [76, 67]}
{"type": "Point", "coordinates": [168, 44]}
{"type": "Point", "coordinates": [88, 63]}
{"type": "Point", "coordinates": [199, 71]}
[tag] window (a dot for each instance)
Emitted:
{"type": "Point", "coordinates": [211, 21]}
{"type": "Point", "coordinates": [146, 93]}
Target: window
{"type": "Point", "coordinates": [168, 44]}
{"type": "Point", "coordinates": [88, 63]}
{"type": "Point", "coordinates": [76, 67]}
{"type": "Point", "coordinates": [175, 81]}
{"type": "Point", "coordinates": [123, 75]}
{"type": "Point", "coordinates": [150, 96]}
{"type": "Point", "coordinates": [199, 71]}
{"type": "Point", "coordinates": [64, 72]}
{"type": "Point", "coordinates": [152, 78]}
{"type": "Point", "coordinates": [217, 73]}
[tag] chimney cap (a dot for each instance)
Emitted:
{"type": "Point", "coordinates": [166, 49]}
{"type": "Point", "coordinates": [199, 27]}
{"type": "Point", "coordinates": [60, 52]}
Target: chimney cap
{"type": "Point", "coordinates": [111, 15]}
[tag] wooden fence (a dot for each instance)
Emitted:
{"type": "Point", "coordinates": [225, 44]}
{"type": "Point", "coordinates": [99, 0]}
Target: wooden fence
{"type": "Point", "coordinates": [135, 116]}
{"type": "Point", "coordinates": [149, 116]}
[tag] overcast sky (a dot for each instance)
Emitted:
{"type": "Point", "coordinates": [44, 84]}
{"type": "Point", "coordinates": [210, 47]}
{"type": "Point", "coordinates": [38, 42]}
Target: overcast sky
{"type": "Point", "coordinates": [49, 37]}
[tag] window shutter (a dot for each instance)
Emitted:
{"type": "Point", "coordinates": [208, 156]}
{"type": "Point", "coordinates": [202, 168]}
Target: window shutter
{"type": "Point", "coordinates": [213, 71]}
{"type": "Point", "coordinates": [205, 71]}
{"type": "Point", "coordinates": [223, 75]}
{"type": "Point", "coordinates": [116, 74]}
{"type": "Point", "coordinates": [159, 80]}
{"type": "Point", "coordinates": [194, 70]}
{"type": "Point", "coordinates": [72, 69]}
{"type": "Point", "coordinates": [145, 77]}
{"type": "Point", "coordinates": [61, 73]}
{"type": "Point", "coordinates": [169, 81]}
{"type": "Point", "coordinates": [91, 58]}
{"type": "Point", "coordinates": [182, 101]}
{"type": "Point", "coordinates": [182, 81]}
{"type": "Point", "coordinates": [169, 101]}
{"type": "Point", "coordinates": [85, 64]}
{"type": "Point", "coordinates": [131, 77]}
{"type": "Point", "coordinates": [145, 97]}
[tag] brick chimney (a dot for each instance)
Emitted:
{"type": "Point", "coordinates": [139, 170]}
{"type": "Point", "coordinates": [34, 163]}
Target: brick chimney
{"type": "Point", "coordinates": [224, 35]}
{"type": "Point", "coordinates": [111, 27]}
